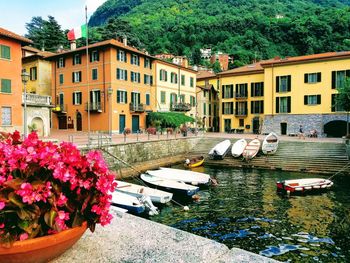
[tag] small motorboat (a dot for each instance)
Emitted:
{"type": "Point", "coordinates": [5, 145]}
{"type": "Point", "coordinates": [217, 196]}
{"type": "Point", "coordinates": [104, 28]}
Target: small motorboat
{"type": "Point", "coordinates": [194, 162]}
{"type": "Point", "coordinates": [251, 150]}
{"type": "Point", "coordinates": [178, 175]}
{"type": "Point", "coordinates": [178, 188]}
{"type": "Point", "coordinates": [219, 151]}
{"type": "Point", "coordinates": [157, 196]}
{"type": "Point", "coordinates": [238, 147]}
{"type": "Point", "coordinates": [270, 143]}
{"type": "Point", "coordinates": [128, 202]}
{"type": "Point", "coordinates": [302, 185]}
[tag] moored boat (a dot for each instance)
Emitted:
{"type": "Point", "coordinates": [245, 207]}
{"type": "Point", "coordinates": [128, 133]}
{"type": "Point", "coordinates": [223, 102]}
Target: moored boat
{"type": "Point", "coordinates": [302, 185]}
{"type": "Point", "coordinates": [238, 147]}
{"type": "Point", "coordinates": [128, 202]}
{"type": "Point", "coordinates": [270, 143]}
{"type": "Point", "coordinates": [178, 188]}
{"type": "Point", "coordinates": [219, 151]}
{"type": "Point", "coordinates": [194, 162]}
{"type": "Point", "coordinates": [251, 150]}
{"type": "Point", "coordinates": [156, 195]}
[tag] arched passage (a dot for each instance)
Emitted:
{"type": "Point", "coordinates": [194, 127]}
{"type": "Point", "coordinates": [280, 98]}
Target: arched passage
{"type": "Point", "coordinates": [38, 123]}
{"type": "Point", "coordinates": [335, 128]}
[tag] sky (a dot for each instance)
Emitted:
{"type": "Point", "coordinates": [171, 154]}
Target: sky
{"type": "Point", "coordinates": [68, 13]}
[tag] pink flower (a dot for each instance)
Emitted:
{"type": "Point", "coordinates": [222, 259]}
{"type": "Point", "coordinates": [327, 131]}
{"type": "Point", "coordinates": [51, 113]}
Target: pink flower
{"type": "Point", "coordinates": [2, 205]}
{"type": "Point", "coordinates": [23, 236]}
{"type": "Point", "coordinates": [62, 200]}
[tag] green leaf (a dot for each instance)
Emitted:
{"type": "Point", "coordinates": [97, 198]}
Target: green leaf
{"type": "Point", "coordinates": [49, 217]}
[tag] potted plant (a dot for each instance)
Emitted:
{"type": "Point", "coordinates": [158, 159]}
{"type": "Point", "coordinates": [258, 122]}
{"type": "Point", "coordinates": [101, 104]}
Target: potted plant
{"type": "Point", "coordinates": [151, 130]}
{"type": "Point", "coordinates": [48, 190]}
{"type": "Point", "coordinates": [126, 131]}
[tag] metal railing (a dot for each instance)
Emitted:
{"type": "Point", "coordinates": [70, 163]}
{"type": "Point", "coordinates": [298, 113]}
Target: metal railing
{"type": "Point", "coordinates": [93, 106]}
{"type": "Point", "coordinates": [181, 106]}
{"type": "Point", "coordinates": [136, 107]}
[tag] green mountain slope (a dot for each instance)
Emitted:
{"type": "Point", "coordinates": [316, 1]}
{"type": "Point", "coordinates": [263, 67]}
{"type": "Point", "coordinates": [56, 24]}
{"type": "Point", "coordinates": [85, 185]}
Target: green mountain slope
{"type": "Point", "coordinates": [248, 29]}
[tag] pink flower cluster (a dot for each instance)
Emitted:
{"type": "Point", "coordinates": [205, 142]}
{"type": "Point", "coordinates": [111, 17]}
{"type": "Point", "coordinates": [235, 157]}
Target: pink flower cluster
{"type": "Point", "coordinates": [57, 179]}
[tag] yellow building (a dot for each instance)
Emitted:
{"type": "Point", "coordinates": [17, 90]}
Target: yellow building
{"type": "Point", "coordinates": [281, 94]}
{"type": "Point", "coordinates": [175, 88]}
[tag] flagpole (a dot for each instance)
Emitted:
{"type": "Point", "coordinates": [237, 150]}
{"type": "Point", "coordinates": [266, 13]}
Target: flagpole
{"type": "Point", "coordinates": [87, 72]}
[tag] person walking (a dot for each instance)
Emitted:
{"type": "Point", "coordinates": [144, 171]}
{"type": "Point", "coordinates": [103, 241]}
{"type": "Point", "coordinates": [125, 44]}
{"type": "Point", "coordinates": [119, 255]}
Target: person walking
{"type": "Point", "coordinates": [301, 132]}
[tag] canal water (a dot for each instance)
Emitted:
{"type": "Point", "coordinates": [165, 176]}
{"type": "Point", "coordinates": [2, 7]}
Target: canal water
{"type": "Point", "coordinates": [245, 211]}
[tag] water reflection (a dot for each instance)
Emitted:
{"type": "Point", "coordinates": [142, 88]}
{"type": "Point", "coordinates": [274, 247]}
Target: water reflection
{"type": "Point", "coordinates": [245, 211]}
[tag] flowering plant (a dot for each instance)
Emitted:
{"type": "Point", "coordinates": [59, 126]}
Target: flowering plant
{"type": "Point", "coordinates": [126, 131]}
{"type": "Point", "coordinates": [46, 188]}
{"type": "Point", "coordinates": [151, 130]}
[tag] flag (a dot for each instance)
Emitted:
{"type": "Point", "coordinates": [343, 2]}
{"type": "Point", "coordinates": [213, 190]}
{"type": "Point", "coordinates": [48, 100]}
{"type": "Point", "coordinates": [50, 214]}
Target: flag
{"type": "Point", "coordinates": [77, 32]}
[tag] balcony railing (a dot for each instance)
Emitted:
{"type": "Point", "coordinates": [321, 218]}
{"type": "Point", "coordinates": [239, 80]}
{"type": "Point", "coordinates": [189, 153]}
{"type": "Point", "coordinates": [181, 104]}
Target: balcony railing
{"type": "Point", "coordinates": [60, 109]}
{"type": "Point", "coordinates": [241, 113]}
{"type": "Point", "coordinates": [93, 106]}
{"type": "Point", "coordinates": [180, 107]}
{"type": "Point", "coordinates": [37, 100]}
{"type": "Point", "coordinates": [136, 107]}
{"type": "Point", "coordinates": [241, 95]}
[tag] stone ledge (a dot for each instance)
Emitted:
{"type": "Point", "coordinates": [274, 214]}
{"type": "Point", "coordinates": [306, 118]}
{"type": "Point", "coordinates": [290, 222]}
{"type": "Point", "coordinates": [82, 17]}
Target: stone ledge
{"type": "Point", "coordinates": [133, 239]}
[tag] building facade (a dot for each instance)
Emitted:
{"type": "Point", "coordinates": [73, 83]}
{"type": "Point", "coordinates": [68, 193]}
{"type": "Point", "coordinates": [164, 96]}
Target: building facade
{"type": "Point", "coordinates": [11, 111]}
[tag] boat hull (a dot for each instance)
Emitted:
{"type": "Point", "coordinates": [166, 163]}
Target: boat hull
{"type": "Point", "coordinates": [196, 164]}
{"type": "Point", "coordinates": [304, 185]}
{"type": "Point", "coordinates": [220, 150]}
{"type": "Point", "coordinates": [238, 148]}
{"type": "Point", "coordinates": [251, 150]}
{"type": "Point", "coordinates": [270, 144]}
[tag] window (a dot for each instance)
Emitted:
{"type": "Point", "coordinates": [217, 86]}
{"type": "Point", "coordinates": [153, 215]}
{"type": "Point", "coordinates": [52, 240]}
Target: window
{"type": "Point", "coordinates": [335, 106]}
{"type": "Point", "coordinates": [122, 74]}
{"type": "Point", "coordinates": [162, 97]}
{"type": "Point", "coordinates": [76, 76]}
{"type": "Point", "coordinates": [5, 86]}
{"type": "Point", "coordinates": [227, 108]}
{"type": "Point", "coordinates": [257, 107]}
{"type": "Point", "coordinates": [33, 73]}
{"type": "Point", "coordinates": [94, 56]}
{"type": "Point", "coordinates": [191, 82]}
{"type": "Point", "coordinates": [241, 90]}
{"type": "Point", "coordinates": [182, 98]}
{"type": "Point", "coordinates": [148, 99]}
{"type": "Point", "coordinates": [173, 77]}
{"type": "Point", "coordinates": [312, 99]}
{"type": "Point", "coordinates": [148, 79]}
{"type": "Point", "coordinates": [338, 78]}
{"type": "Point", "coordinates": [135, 77]}
{"type": "Point", "coordinates": [77, 98]}
{"type": "Point", "coordinates": [241, 122]}
{"type": "Point", "coordinates": [257, 89]}
{"type": "Point", "coordinates": [163, 75]}
{"type": "Point", "coordinates": [77, 59]}
{"type": "Point", "coordinates": [227, 91]}
{"type": "Point", "coordinates": [283, 83]}
{"type": "Point", "coordinates": [241, 108]}
{"type": "Point", "coordinates": [283, 104]}
{"type": "Point", "coordinates": [147, 63]}
{"type": "Point", "coordinates": [61, 63]}
{"type": "Point", "coordinates": [312, 77]}
{"type": "Point", "coordinates": [6, 116]}
{"type": "Point", "coordinates": [173, 98]}
{"type": "Point", "coordinates": [205, 93]}
{"type": "Point", "coordinates": [94, 74]}
{"type": "Point", "coordinates": [5, 52]}
{"type": "Point", "coordinates": [192, 101]}
{"type": "Point", "coordinates": [122, 96]}
{"type": "Point", "coordinates": [135, 98]}
{"type": "Point", "coordinates": [183, 80]}
{"type": "Point", "coordinates": [121, 55]}
{"type": "Point", "coordinates": [61, 79]}
{"type": "Point", "coordinates": [209, 108]}
{"type": "Point", "coordinates": [135, 60]}
{"type": "Point", "coordinates": [204, 108]}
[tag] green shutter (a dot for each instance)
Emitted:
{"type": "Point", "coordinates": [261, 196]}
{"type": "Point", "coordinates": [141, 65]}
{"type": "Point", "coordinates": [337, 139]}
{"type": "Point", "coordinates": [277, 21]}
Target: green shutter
{"type": "Point", "coordinates": [6, 85]}
{"type": "Point", "coordinates": [333, 79]}
{"type": "Point", "coordinates": [5, 52]}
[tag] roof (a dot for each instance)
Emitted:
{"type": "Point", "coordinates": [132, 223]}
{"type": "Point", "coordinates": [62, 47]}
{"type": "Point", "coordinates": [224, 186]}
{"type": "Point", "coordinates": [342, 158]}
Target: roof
{"type": "Point", "coordinates": [306, 58]}
{"type": "Point", "coordinates": [254, 68]}
{"type": "Point", "coordinates": [173, 64]}
{"type": "Point", "coordinates": [204, 74]}
{"type": "Point", "coordinates": [37, 52]}
{"type": "Point", "coordinates": [9, 34]}
{"type": "Point", "coordinates": [206, 87]}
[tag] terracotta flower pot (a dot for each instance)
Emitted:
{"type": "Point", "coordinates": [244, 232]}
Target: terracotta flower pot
{"type": "Point", "coordinates": [42, 249]}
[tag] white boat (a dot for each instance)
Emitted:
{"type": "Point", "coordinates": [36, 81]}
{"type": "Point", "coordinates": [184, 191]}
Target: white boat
{"type": "Point", "coordinates": [180, 188]}
{"type": "Point", "coordinates": [128, 202]}
{"type": "Point", "coordinates": [186, 176]}
{"type": "Point", "coordinates": [156, 195]}
{"type": "Point", "coordinates": [238, 147]}
{"type": "Point", "coordinates": [302, 185]}
{"type": "Point", "coordinates": [251, 150]}
{"type": "Point", "coordinates": [220, 150]}
{"type": "Point", "coordinates": [270, 143]}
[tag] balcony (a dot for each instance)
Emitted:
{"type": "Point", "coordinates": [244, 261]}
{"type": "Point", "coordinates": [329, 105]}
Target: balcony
{"type": "Point", "coordinates": [136, 107]}
{"type": "Point", "coordinates": [180, 107]}
{"type": "Point", "coordinates": [60, 109]}
{"type": "Point", "coordinates": [241, 96]}
{"type": "Point", "coordinates": [241, 113]}
{"type": "Point", "coordinates": [95, 107]}
{"type": "Point", "coordinates": [36, 100]}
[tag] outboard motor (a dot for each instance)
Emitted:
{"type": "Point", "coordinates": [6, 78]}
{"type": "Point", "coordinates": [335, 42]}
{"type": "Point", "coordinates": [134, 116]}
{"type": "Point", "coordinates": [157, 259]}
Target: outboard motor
{"type": "Point", "coordinates": [146, 201]}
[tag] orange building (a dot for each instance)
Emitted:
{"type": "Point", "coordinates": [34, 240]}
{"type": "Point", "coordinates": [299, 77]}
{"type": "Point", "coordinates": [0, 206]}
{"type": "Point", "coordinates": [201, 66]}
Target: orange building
{"type": "Point", "coordinates": [116, 96]}
{"type": "Point", "coordinates": [11, 113]}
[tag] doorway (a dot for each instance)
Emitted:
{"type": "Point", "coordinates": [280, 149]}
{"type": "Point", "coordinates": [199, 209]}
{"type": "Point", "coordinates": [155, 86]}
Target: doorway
{"type": "Point", "coordinates": [227, 125]}
{"type": "Point", "coordinates": [121, 123]}
{"type": "Point", "coordinates": [79, 121]}
{"type": "Point", "coordinates": [283, 128]}
{"type": "Point", "coordinates": [135, 123]}
{"type": "Point", "coordinates": [256, 125]}
{"type": "Point", "coordinates": [62, 122]}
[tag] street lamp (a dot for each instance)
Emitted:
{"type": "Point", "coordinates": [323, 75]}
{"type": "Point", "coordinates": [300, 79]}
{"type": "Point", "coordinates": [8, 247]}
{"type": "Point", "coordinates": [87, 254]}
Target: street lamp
{"type": "Point", "coordinates": [25, 78]}
{"type": "Point", "coordinates": [110, 92]}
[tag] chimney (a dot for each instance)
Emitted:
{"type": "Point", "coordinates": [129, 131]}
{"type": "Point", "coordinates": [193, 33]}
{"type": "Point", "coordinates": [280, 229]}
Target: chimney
{"type": "Point", "coordinates": [73, 45]}
{"type": "Point", "coordinates": [125, 41]}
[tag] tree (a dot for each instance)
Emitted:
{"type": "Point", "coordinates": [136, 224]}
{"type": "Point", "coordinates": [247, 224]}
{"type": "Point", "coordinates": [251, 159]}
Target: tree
{"type": "Point", "coordinates": [343, 101]}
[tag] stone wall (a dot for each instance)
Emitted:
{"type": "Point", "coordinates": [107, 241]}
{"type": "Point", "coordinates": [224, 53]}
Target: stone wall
{"type": "Point", "coordinates": [42, 114]}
